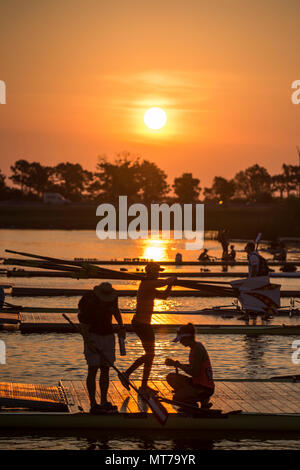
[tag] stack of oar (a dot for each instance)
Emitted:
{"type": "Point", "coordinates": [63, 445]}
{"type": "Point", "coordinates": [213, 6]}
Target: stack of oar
{"type": "Point", "coordinates": [84, 270]}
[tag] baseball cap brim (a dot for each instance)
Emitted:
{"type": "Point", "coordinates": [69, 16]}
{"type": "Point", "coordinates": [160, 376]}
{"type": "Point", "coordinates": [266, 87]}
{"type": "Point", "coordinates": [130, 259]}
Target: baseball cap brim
{"type": "Point", "coordinates": [180, 336]}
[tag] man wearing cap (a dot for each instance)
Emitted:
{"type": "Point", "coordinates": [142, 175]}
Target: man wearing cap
{"type": "Point", "coordinates": [141, 321]}
{"type": "Point", "coordinates": [198, 384]}
{"type": "Point", "coordinates": [96, 309]}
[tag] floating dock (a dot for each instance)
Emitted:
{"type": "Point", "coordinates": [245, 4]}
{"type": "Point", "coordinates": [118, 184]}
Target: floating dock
{"type": "Point", "coordinates": [22, 273]}
{"type": "Point", "coordinates": [142, 262]}
{"type": "Point", "coordinates": [162, 323]}
{"type": "Point", "coordinates": [58, 292]}
{"type": "Point", "coordinates": [246, 406]}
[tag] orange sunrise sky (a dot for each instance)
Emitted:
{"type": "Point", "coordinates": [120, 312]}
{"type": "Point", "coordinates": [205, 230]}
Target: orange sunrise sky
{"type": "Point", "coordinates": [81, 74]}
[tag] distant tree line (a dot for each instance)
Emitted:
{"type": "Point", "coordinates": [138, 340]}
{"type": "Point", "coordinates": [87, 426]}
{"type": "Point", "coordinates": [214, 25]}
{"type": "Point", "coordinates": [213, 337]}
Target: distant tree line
{"type": "Point", "coordinates": [142, 180]}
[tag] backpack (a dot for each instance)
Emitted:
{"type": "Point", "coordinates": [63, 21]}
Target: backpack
{"type": "Point", "coordinates": [87, 305]}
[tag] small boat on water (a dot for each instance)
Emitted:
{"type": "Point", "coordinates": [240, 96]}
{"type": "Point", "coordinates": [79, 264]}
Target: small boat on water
{"type": "Point", "coordinates": [237, 406]}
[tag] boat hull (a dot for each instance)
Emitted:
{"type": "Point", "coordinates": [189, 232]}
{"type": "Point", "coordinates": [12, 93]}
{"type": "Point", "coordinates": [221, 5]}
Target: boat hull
{"type": "Point", "coordinates": [127, 421]}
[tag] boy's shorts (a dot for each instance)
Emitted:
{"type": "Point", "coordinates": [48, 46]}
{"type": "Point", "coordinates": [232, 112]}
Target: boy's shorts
{"type": "Point", "coordinates": [106, 344]}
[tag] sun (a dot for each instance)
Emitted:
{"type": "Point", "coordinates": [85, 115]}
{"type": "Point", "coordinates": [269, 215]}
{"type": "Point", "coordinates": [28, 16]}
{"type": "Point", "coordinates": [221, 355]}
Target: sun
{"type": "Point", "coordinates": [155, 118]}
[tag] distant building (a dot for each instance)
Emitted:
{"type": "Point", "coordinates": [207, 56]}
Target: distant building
{"type": "Point", "coordinates": [54, 198]}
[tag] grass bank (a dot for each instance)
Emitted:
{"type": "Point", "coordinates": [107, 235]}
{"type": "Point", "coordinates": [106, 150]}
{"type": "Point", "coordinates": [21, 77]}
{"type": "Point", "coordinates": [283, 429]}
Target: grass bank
{"type": "Point", "coordinates": [241, 221]}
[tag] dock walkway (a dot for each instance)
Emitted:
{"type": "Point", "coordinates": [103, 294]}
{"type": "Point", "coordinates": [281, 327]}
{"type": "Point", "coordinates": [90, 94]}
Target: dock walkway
{"type": "Point", "coordinates": [245, 405]}
{"type": "Point", "coordinates": [248, 396]}
{"type": "Point", "coordinates": [161, 322]}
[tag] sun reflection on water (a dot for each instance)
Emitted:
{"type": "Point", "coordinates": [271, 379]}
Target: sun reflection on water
{"type": "Point", "coordinates": [156, 250]}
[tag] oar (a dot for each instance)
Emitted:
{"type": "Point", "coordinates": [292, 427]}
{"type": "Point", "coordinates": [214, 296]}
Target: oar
{"type": "Point", "coordinates": [257, 240]}
{"type": "Point", "coordinates": [155, 405]}
{"type": "Point", "coordinates": [83, 265]}
{"type": "Point", "coordinates": [184, 283]}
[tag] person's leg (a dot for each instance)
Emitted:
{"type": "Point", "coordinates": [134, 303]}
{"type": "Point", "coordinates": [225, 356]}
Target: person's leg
{"type": "Point", "coordinates": [91, 384]}
{"type": "Point", "coordinates": [148, 361]}
{"type": "Point", "coordinates": [142, 331]}
{"type": "Point", "coordinates": [104, 383]}
{"type": "Point", "coordinates": [186, 394]}
{"type": "Point", "coordinates": [177, 381]}
{"type": "Point", "coordinates": [135, 365]}
{"type": "Point", "coordinates": [148, 342]}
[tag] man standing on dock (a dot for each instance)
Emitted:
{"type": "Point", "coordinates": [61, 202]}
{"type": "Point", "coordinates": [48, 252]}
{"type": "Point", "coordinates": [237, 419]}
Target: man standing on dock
{"type": "Point", "coordinates": [257, 264]}
{"type": "Point", "coordinates": [95, 316]}
{"type": "Point", "coordinates": [141, 321]}
{"type": "Point", "coordinates": [198, 384]}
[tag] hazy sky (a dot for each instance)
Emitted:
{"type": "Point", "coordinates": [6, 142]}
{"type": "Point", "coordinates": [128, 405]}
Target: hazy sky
{"type": "Point", "coordinates": [81, 73]}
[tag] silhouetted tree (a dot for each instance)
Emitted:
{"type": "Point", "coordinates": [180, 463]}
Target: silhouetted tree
{"type": "Point", "coordinates": [21, 174]}
{"type": "Point", "coordinates": [71, 180]}
{"type": "Point", "coordinates": [291, 175]}
{"type": "Point", "coordinates": [222, 189]}
{"type": "Point", "coordinates": [152, 181]}
{"type": "Point", "coordinates": [187, 188]}
{"type": "Point", "coordinates": [118, 178]}
{"type": "Point", "coordinates": [3, 187]}
{"type": "Point", "coordinates": [278, 184]}
{"type": "Point", "coordinates": [2, 180]}
{"type": "Point", "coordinates": [254, 183]}
{"type": "Point", "coordinates": [31, 177]}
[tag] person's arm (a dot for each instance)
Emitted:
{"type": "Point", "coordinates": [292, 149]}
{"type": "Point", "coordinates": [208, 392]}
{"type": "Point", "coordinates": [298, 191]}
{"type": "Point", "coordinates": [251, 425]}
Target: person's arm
{"type": "Point", "coordinates": [185, 367]}
{"type": "Point", "coordinates": [165, 294]}
{"type": "Point", "coordinates": [84, 330]}
{"type": "Point", "coordinates": [190, 369]}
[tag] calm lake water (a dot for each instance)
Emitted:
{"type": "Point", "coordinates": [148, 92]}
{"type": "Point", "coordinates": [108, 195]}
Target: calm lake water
{"type": "Point", "coordinates": [46, 358]}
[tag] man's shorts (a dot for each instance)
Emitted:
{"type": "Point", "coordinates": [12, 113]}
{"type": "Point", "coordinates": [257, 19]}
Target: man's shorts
{"type": "Point", "coordinates": [144, 331]}
{"type": "Point", "coordinates": [106, 344]}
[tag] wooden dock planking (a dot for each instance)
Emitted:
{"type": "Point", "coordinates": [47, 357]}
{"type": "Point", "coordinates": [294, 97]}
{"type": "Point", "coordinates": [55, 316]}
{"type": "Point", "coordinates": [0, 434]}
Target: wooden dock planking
{"type": "Point", "coordinates": [32, 396]}
{"type": "Point", "coordinates": [74, 403]}
{"type": "Point", "coordinates": [242, 395]}
{"type": "Point", "coordinates": [117, 398]}
{"type": "Point", "coordinates": [282, 399]}
{"type": "Point", "coordinates": [229, 400]}
{"type": "Point", "coordinates": [261, 396]}
{"type": "Point", "coordinates": [250, 397]}
{"type": "Point", "coordinates": [254, 398]}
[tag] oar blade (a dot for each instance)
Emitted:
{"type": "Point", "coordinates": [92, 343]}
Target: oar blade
{"type": "Point", "coordinates": [158, 410]}
{"type": "Point", "coordinates": [124, 380]}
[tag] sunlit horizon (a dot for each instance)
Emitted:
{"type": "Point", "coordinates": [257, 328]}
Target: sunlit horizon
{"type": "Point", "coordinates": [80, 88]}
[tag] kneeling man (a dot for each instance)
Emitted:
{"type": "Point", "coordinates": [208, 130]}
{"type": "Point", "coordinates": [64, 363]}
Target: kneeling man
{"type": "Point", "coordinates": [198, 384]}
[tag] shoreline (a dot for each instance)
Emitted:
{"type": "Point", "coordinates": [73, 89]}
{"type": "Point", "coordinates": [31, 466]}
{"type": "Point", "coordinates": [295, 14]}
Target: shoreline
{"type": "Point", "coordinates": [274, 220]}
